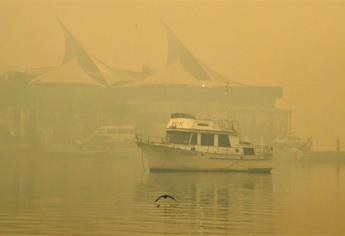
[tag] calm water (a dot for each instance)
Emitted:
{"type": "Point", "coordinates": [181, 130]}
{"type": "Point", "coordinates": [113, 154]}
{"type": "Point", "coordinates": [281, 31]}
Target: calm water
{"type": "Point", "coordinates": [113, 196]}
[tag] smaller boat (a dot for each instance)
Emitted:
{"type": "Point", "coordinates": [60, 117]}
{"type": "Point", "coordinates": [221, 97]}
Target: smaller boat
{"type": "Point", "coordinates": [106, 138]}
{"type": "Point", "coordinates": [193, 144]}
{"type": "Point", "coordinates": [292, 147]}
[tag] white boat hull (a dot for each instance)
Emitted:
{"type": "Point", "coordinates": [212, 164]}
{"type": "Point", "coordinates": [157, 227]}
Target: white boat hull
{"type": "Point", "coordinates": [164, 158]}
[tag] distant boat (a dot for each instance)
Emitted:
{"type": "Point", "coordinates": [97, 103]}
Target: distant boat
{"type": "Point", "coordinates": [202, 145]}
{"type": "Point", "coordinates": [291, 147]}
{"type": "Point", "coordinates": [106, 138]}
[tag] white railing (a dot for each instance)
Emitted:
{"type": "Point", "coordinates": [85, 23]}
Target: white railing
{"type": "Point", "coordinates": [144, 139]}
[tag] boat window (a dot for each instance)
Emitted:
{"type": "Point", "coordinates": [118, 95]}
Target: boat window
{"type": "Point", "coordinates": [207, 139]}
{"type": "Point", "coordinates": [223, 140]}
{"type": "Point", "coordinates": [178, 137]}
{"type": "Point", "coordinates": [249, 151]}
{"type": "Point", "coordinates": [194, 140]}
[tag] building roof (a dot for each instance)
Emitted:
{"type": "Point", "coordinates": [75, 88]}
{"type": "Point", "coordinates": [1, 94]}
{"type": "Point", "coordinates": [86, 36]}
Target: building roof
{"type": "Point", "coordinates": [113, 76]}
{"type": "Point", "coordinates": [92, 66]}
{"type": "Point", "coordinates": [183, 68]}
{"type": "Point", "coordinates": [74, 51]}
{"type": "Point", "coordinates": [68, 73]}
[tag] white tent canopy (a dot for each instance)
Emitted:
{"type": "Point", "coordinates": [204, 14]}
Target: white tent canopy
{"type": "Point", "coordinates": [110, 74]}
{"type": "Point", "coordinates": [68, 73]}
{"type": "Point", "coordinates": [183, 68]}
{"type": "Point", "coordinates": [175, 74]}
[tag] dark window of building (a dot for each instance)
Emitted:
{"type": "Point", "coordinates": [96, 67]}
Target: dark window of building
{"type": "Point", "coordinates": [223, 140]}
{"type": "Point", "coordinates": [194, 139]}
{"type": "Point", "coordinates": [207, 139]}
{"type": "Point", "coordinates": [178, 137]}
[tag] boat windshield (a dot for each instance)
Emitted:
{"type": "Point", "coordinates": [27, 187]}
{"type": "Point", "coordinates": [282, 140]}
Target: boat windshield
{"type": "Point", "coordinates": [178, 137]}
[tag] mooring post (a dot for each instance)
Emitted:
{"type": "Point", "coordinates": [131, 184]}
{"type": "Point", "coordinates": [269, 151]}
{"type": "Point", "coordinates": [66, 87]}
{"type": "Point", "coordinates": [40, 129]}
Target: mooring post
{"type": "Point", "coordinates": [338, 144]}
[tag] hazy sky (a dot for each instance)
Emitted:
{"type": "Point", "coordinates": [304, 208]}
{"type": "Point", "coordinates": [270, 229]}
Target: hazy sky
{"type": "Point", "coordinates": [298, 45]}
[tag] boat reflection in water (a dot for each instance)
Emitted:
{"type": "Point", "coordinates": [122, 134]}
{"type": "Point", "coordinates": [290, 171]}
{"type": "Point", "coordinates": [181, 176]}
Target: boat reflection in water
{"type": "Point", "coordinates": [212, 202]}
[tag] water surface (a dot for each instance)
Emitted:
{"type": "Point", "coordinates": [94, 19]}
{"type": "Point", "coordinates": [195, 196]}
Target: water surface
{"type": "Point", "coordinates": [113, 195]}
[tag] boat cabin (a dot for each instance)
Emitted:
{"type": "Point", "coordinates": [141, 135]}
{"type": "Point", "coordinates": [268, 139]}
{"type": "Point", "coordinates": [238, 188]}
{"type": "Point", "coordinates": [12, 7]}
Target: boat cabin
{"type": "Point", "coordinates": [185, 129]}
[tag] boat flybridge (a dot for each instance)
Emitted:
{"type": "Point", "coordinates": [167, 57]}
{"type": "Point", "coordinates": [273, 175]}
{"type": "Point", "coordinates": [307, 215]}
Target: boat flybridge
{"type": "Point", "coordinates": [202, 145]}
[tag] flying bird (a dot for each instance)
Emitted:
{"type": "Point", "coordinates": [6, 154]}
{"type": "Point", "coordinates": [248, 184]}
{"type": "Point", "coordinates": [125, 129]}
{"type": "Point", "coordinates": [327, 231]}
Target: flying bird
{"type": "Point", "coordinates": [165, 196]}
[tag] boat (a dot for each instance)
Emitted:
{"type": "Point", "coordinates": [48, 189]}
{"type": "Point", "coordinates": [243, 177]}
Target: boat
{"type": "Point", "coordinates": [292, 147]}
{"type": "Point", "coordinates": [193, 144]}
{"type": "Point", "coordinates": [107, 137]}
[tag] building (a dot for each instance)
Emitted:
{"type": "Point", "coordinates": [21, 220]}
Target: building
{"type": "Point", "coordinates": [93, 94]}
